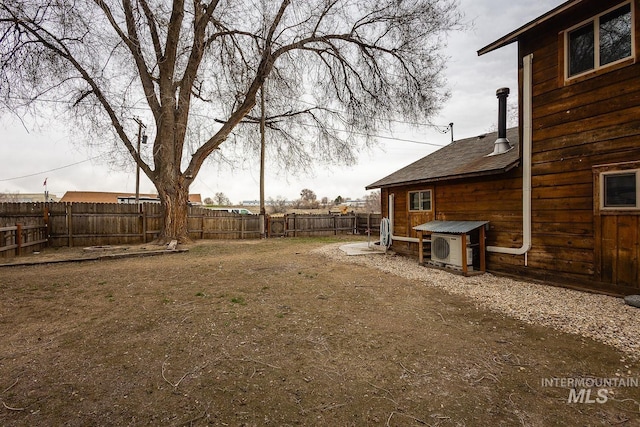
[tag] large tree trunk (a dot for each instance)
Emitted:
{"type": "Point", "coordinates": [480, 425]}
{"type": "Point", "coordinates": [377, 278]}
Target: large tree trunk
{"type": "Point", "coordinates": [175, 203]}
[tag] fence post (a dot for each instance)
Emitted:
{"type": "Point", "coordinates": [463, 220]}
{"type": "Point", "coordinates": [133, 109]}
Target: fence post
{"type": "Point", "coordinates": [143, 213]}
{"type": "Point", "coordinates": [285, 226]}
{"type": "Point", "coordinates": [19, 238]}
{"type": "Point", "coordinates": [69, 212]}
{"type": "Point", "coordinates": [355, 223]}
{"type": "Point", "coordinates": [295, 229]}
{"type": "Point", "coordinates": [47, 223]}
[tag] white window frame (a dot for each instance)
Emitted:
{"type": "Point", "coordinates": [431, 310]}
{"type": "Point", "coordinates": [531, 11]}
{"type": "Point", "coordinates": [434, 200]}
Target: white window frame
{"type": "Point", "coordinates": [409, 193]}
{"type": "Point", "coordinates": [595, 21]}
{"type": "Point", "coordinates": [603, 190]}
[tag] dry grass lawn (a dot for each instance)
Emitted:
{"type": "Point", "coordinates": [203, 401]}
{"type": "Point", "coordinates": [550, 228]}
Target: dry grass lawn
{"type": "Point", "coordinates": [269, 333]}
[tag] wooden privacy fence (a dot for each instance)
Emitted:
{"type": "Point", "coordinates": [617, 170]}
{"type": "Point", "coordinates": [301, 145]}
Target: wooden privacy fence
{"type": "Point", "coordinates": [96, 224]}
{"type": "Point", "coordinates": [16, 238]}
{"type": "Point", "coordinates": [297, 225]}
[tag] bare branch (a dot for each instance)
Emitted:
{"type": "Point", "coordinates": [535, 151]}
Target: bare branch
{"type": "Point", "coordinates": [334, 73]}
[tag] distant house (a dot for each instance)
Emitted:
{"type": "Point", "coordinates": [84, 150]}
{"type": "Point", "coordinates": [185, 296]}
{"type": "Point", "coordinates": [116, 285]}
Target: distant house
{"type": "Point", "coordinates": [28, 197]}
{"type": "Point", "coordinates": [108, 197]}
{"type": "Point", "coordinates": [563, 204]}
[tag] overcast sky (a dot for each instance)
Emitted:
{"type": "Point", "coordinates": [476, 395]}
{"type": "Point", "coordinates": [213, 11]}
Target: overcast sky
{"type": "Point", "coordinates": [31, 155]}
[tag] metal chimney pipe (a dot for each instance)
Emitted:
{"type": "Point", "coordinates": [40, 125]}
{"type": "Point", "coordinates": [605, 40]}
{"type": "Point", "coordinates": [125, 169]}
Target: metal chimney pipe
{"type": "Point", "coordinates": [502, 144]}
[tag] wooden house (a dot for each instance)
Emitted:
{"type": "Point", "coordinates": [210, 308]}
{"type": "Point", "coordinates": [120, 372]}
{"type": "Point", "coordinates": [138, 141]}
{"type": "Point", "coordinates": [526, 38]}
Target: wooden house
{"type": "Point", "coordinates": [563, 204]}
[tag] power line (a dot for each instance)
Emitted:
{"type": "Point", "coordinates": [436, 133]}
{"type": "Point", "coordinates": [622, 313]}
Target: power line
{"type": "Point", "coordinates": [431, 125]}
{"type": "Point", "coordinates": [413, 141]}
{"type": "Point", "coordinates": [50, 170]}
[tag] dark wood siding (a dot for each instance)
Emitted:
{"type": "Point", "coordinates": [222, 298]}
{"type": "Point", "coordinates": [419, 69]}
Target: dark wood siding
{"type": "Point", "coordinates": [467, 200]}
{"type": "Point", "coordinates": [577, 125]}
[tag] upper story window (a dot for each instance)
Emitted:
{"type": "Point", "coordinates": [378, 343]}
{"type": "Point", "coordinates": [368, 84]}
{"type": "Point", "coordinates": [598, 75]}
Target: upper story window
{"type": "Point", "coordinates": [602, 41]}
{"type": "Point", "coordinates": [420, 200]}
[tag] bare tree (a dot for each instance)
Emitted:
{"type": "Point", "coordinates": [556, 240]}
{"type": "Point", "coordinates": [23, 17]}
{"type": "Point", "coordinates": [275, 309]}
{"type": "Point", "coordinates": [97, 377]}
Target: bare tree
{"type": "Point", "coordinates": [221, 199]}
{"type": "Point", "coordinates": [372, 202]}
{"type": "Point", "coordinates": [278, 205]}
{"type": "Point", "coordinates": [194, 69]}
{"type": "Point", "coordinates": [308, 199]}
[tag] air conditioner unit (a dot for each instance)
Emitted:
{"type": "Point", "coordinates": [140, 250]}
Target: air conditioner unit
{"type": "Point", "coordinates": [447, 249]}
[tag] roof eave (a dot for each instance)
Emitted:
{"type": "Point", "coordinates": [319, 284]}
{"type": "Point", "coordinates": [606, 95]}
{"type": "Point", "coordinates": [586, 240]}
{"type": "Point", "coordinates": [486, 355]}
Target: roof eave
{"type": "Point", "coordinates": [514, 35]}
{"type": "Point", "coordinates": [448, 177]}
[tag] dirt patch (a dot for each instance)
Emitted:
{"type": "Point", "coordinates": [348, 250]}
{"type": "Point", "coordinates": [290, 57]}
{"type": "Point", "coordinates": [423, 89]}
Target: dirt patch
{"type": "Point", "coordinates": [270, 333]}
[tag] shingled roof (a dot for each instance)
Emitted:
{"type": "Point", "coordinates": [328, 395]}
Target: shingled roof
{"type": "Point", "coordinates": [460, 159]}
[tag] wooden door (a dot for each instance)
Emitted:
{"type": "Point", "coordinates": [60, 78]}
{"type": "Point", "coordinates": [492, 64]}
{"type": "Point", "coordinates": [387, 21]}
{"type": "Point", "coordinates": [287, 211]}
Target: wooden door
{"type": "Point", "coordinates": [617, 249]}
{"type": "Point", "coordinates": [617, 228]}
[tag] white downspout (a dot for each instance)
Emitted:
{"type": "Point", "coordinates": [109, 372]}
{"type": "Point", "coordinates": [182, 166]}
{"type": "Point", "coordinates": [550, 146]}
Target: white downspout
{"type": "Point", "coordinates": [391, 213]}
{"type": "Point", "coordinates": [526, 173]}
{"type": "Point", "coordinates": [527, 88]}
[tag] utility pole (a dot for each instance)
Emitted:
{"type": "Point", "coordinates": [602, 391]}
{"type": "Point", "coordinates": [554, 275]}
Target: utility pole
{"type": "Point", "coordinates": [263, 211]}
{"type": "Point", "coordinates": [142, 138]}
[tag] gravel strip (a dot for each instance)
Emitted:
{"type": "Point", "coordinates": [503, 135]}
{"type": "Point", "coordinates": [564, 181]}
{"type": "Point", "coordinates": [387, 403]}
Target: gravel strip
{"type": "Point", "coordinates": [604, 318]}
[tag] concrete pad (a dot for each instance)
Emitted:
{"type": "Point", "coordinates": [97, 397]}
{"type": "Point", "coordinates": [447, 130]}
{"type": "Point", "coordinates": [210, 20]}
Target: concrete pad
{"type": "Point", "coordinates": [362, 248]}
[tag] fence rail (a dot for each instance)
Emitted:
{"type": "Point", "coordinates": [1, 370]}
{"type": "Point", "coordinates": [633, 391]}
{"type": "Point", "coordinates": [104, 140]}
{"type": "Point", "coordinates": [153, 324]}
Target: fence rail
{"type": "Point", "coordinates": [91, 224]}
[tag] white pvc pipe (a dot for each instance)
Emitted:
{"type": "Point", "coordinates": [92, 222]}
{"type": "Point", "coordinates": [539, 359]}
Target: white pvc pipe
{"type": "Point", "coordinates": [391, 213]}
{"type": "Point", "coordinates": [527, 122]}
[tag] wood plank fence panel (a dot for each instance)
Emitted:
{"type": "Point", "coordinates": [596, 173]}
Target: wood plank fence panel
{"type": "Point", "coordinates": [153, 220]}
{"type": "Point", "coordinates": [58, 224]}
{"type": "Point", "coordinates": [320, 225]}
{"type": "Point", "coordinates": [369, 224]}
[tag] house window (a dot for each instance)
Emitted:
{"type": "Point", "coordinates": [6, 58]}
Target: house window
{"type": "Point", "coordinates": [620, 190]}
{"type": "Point", "coordinates": [603, 41]}
{"type": "Point", "coordinates": [420, 200]}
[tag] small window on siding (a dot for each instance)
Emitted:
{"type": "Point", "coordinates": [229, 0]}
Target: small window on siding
{"type": "Point", "coordinates": [605, 40]}
{"type": "Point", "coordinates": [420, 200]}
{"type": "Point", "coordinates": [620, 190]}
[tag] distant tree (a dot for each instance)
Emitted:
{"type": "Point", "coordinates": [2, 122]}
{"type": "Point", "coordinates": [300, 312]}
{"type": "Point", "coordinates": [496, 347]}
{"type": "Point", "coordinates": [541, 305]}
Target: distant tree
{"type": "Point", "coordinates": [308, 199]}
{"type": "Point", "coordinates": [308, 195]}
{"type": "Point", "coordinates": [221, 200]}
{"type": "Point", "coordinates": [324, 202]}
{"type": "Point", "coordinates": [372, 202]}
{"type": "Point", "coordinates": [182, 63]}
{"type": "Point", "coordinates": [338, 200]}
{"type": "Point", "coordinates": [208, 201]}
{"type": "Point", "coordinates": [278, 205]}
